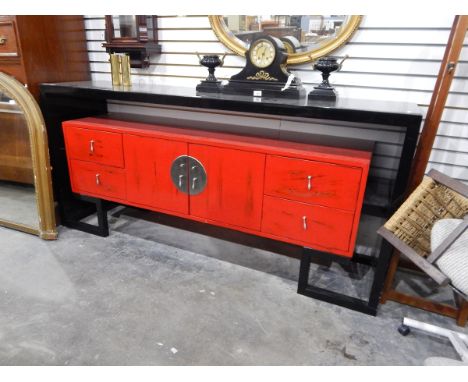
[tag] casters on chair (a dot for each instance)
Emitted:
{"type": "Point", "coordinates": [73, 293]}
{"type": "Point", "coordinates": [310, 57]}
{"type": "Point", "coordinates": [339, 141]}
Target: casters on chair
{"type": "Point", "coordinates": [404, 330]}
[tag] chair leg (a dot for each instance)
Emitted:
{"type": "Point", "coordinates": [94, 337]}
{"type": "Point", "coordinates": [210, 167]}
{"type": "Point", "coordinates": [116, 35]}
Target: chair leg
{"type": "Point", "coordinates": [462, 312]}
{"type": "Point", "coordinates": [388, 286]}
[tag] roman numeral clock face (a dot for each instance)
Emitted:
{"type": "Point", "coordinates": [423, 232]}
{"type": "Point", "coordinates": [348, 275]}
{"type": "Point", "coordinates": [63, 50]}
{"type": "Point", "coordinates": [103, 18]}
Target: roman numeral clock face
{"type": "Point", "coordinates": [262, 54]}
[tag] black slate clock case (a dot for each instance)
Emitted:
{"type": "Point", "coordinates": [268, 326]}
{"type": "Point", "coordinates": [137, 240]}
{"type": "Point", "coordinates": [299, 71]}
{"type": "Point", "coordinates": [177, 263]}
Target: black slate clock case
{"type": "Point", "coordinates": [268, 81]}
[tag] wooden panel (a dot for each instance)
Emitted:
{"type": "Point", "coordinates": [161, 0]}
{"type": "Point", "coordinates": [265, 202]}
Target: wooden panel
{"type": "Point", "coordinates": [53, 49]}
{"type": "Point", "coordinates": [148, 163]}
{"type": "Point", "coordinates": [94, 146]}
{"type": "Point", "coordinates": [96, 180]}
{"type": "Point", "coordinates": [234, 189]}
{"type": "Point", "coordinates": [317, 226]}
{"type": "Point", "coordinates": [15, 147]}
{"type": "Point", "coordinates": [14, 69]}
{"type": "Point", "coordinates": [330, 185]}
{"type": "Point", "coordinates": [9, 47]}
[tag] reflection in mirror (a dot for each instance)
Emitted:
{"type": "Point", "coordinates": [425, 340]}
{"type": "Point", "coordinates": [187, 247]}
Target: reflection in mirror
{"type": "Point", "coordinates": [17, 192]}
{"type": "Point", "coordinates": [299, 33]}
{"type": "Point", "coordinates": [125, 26]}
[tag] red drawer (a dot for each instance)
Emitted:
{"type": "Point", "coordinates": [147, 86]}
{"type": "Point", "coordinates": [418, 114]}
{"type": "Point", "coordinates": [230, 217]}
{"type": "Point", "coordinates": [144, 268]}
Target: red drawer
{"type": "Point", "coordinates": [307, 181]}
{"type": "Point", "coordinates": [92, 179]}
{"type": "Point", "coordinates": [305, 223]}
{"type": "Point", "coordinates": [94, 146]}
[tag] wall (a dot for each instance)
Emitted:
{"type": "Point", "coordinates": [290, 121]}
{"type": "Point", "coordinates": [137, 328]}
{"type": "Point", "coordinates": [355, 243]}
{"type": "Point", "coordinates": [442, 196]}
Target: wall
{"type": "Point", "coordinates": [390, 59]}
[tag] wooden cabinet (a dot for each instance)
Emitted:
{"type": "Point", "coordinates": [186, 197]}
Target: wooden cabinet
{"type": "Point", "coordinates": [36, 49]}
{"type": "Point", "coordinates": [298, 193]}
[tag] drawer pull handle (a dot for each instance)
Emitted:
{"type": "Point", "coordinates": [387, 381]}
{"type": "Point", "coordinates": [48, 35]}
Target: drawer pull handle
{"type": "Point", "coordinates": [309, 182]}
{"type": "Point", "coordinates": [98, 179]}
{"type": "Point", "coordinates": [304, 222]}
{"type": "Point", "coordinates": [3, 40]}
{"type": "Point", "coordinates": [181, 179]}
{"type": "Point", "coordinates": [194, 180]}
{"type": "Point", "coordinates": [91, 146]}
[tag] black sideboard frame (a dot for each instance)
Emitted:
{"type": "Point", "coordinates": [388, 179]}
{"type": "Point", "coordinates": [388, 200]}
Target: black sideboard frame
{"type": "Point", "coordinates": [65, 101]}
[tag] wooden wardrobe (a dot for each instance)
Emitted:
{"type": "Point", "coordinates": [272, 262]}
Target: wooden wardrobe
{"type": "Point", "coordinates": [35, 49]}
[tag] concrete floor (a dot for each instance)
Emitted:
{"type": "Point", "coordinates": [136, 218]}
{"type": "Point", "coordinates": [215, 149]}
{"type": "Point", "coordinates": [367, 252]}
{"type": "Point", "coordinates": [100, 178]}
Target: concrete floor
{"type": "Point", "coordinates": [138, 298]}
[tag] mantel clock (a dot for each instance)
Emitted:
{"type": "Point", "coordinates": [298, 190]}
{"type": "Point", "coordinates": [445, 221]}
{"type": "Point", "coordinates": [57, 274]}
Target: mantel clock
{"type": "Point", "coordinates": [265, 73]}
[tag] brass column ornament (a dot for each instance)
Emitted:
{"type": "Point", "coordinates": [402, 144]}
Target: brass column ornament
{"type": "Point", "coordinates": [125, 66]}
{"type": "Point", "coordinates": [115, 69]}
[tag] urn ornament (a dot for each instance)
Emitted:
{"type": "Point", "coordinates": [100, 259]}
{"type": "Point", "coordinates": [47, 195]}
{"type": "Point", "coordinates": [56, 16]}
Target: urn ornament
{"type": "Point", "coordinates": [325, 91]}
{"type": "Point", "coordinates": [211, 83]}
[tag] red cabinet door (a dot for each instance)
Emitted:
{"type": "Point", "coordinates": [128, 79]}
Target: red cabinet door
{"type": "Point", "coordinates": [148, 163]}
{"type": "Point", "coordinates": [234, 187]}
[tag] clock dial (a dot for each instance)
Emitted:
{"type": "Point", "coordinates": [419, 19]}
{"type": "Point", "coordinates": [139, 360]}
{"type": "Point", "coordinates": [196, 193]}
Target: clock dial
{"type": "Point", "coordinates": [262, 54]}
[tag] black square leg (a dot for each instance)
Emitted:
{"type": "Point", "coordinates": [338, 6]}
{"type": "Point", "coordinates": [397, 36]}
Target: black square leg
{"type": "Point", "coordinates": [365, 306]}
{"type": "Point", "coordinates": [102, 228]}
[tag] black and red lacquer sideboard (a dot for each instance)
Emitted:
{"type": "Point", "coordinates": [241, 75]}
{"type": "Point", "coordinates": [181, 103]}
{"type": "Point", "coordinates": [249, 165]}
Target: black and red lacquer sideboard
{"type": "Point", "coordinates": [312, 193]}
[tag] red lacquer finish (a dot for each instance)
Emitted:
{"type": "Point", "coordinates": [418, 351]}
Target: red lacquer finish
{"type": "Point", "coordinates": [310, 224]}
{"type": "Point", "coordinates": [313, 182]}
{"type": "Point", "coordinates": [94, 146]}
{"type": "Point", "coordinates": [234, 189]}
{"type": "Point", "coordinates": [299, 193]}
{"type": "Point", "coordinates": [148, 163]}
{"type": "Point", "coordinates": [94, 179]}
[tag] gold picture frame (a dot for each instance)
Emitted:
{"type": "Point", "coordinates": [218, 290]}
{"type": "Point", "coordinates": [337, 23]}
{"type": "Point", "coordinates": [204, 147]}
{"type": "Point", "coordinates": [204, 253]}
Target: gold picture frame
{"type": "Point", "coordinates": [46, 228]}
{"type": "Point", "coordinates": [237, 46]}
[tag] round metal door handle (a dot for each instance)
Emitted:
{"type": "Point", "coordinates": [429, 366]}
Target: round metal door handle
{"type": "Point", "coordinates": [188, 175]}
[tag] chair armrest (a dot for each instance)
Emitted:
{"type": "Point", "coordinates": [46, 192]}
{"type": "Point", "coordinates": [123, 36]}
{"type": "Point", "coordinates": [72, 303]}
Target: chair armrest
{"type": "Point", "coordinates": [414, 257]}
{"type": "Point", "coordinates": [448, 241]}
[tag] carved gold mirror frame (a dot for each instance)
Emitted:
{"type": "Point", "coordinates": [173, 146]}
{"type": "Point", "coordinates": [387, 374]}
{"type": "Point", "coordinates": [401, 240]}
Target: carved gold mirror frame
{"type": "Point", "coordinates": [237, 46]}
{"type": "Point", "coordinates": [46, 228]}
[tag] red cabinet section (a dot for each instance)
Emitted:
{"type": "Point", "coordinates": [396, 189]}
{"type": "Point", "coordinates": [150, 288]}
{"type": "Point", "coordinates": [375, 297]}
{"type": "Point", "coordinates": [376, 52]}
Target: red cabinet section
{"type": "Point", "coordinates": [148, 163]}
{"type": "Point", "coordinates": [97, 180]}
{"type": "Point", "coordinates": [94, 146]}
{"type": "Point", "coordinates": [234, 187]}
{"type": "Point", "coordinates": [312, 225]}
{"type": "Point", "coordinates": [298, 193]}
{"type": "Point", "coordinates": [325, 184]}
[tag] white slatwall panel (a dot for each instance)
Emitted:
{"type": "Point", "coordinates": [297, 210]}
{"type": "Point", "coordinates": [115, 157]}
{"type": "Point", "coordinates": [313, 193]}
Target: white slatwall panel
{"type": "Point", "coordinates": [390, 59]}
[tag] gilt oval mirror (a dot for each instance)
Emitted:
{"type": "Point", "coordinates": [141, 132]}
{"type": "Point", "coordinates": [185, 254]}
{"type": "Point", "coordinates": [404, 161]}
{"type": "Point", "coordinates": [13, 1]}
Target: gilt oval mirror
{"type": "Point", "coordinates": [306, 37]}
{"type": "Point", "coordinates": [26, 201]}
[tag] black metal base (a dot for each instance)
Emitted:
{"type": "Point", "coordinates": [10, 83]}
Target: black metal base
{"type": "Point", "coordinates": [364, 306]}
{"type": "Point", "coordinates": [209, 87]}
{"type": "Point", "coordinates": [322, 94]}
{"type": "Point", "coordinates": [102, 228]}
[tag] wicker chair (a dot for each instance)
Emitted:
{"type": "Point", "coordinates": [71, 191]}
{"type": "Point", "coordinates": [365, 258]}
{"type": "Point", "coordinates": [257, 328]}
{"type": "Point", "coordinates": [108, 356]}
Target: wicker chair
{"type": "Point", "coordinates": [439, 202]}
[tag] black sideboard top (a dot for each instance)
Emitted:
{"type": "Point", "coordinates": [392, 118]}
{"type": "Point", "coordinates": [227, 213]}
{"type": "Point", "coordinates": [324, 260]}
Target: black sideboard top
{"type": "Point", "coordinates": [345, 109]}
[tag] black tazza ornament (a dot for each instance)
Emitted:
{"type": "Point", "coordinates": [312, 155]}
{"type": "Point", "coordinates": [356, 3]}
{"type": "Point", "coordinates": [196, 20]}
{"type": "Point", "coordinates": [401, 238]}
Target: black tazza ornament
{"type": "Point", "coordinates": [211, 83]}
{"type": "Point", "coordinates": [325, 91]}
